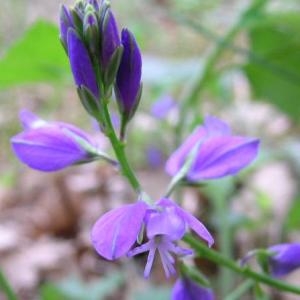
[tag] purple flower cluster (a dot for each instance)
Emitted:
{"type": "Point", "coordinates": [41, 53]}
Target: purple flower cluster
{"type": "Point", "coordinates": [99, 58]}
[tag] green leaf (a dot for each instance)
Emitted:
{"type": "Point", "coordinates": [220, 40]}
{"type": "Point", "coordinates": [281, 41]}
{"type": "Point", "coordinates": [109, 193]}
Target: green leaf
{"type": "Point", "coordinates": [276, 76]}
{"type": "Point", "coordinates": [37, 57]}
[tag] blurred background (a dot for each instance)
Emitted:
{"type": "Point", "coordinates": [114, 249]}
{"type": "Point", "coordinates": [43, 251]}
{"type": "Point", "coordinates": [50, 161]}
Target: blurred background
{"type": "Point", "coordinates": [241, 67]}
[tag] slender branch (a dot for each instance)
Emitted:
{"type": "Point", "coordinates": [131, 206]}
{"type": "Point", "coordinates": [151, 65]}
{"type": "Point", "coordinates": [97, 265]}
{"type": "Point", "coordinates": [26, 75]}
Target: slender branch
{"type": "Point", "coordinates": [212, 255]}
{"type": "Point", "coordinates": [225, 240]}
{"type": "Point", "coordinates": [119, 149]}
{"type": "Point", "coordinates": [6, 288]}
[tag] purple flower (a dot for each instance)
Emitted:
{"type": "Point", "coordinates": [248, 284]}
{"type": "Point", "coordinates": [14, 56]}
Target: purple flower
{"type": "Point", "coordinates": [163, 106]}
{"type": "Point", "coordinates": [284, 258]}
{"type": "Point", "coordinates": [51, 146]}
{"type": "Point", "coordinates": [81, 64]}
{"type": "Point", "coordinates": [217, 153]}
{"type": "Point", "coordinates": [165, 224]}
{"type": "Point", "coordinates": [128, 80]}
{"type": "Point", "coordinates": [116, 231]}
{"type": "Point", "coordinates": [186, 289]}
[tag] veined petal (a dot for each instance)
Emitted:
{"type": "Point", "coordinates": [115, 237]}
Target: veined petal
{"type": "Point", "coordinates": [223, 156]}
{"type": "Point", "coordinates": [190, 220]}
{"type": "Point", "coordinates": [81, 64]}
{"type": "Point", "coordinates": [47, 149]}
{"type": "Point", "coordinates": [186, 289]}
{"type": "Point", "coordinates": [117, 230]}
{"type": "Point", "coordinates": [165, 221]}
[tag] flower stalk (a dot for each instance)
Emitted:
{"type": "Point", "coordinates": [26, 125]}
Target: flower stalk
{"type": "Point", "coordinates": [212, 255]}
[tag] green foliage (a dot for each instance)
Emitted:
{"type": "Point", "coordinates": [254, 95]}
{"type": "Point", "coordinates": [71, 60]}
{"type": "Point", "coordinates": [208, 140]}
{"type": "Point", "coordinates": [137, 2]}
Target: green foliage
{"type": "Point", "coordinates": [292, 221]}
{"type": "Point", "coordinates": [276, 78]}
{"type": "Point", "coordinates": [75, 289]}
{"type": "Point", "coordinates": [37, 56]}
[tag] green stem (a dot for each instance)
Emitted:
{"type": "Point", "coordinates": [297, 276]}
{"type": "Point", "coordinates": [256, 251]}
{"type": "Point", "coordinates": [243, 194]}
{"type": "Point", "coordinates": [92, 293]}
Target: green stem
{"type": "Point", "coordinates": [225, 239]}
{"type": "Point", "coordinates": [206, 71]}
{"type": "Point", "coordinates": [241, 290]}
{"type": "Point", "coordinates": [212, 255]}
{"type": "Point", "coordinates": [6, 288]}
{"type": "Point", "coordinates": [119, 149]}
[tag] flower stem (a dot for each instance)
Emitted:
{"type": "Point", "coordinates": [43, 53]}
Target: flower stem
{"type": "Point", "coordinates": [225, 240]}
{"type": "Point", "coordinates": [119, 149]}
{"type": "Point", "coordinates": [212, 255]}
{"type": "Point", "coordinates": [6, 288]}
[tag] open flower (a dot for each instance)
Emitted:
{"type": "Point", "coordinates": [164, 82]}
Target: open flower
{"type": "Point", "coordinates": [215, 152]}
{"type": "Point", "coordinates": [51, 146]}
{"type": "Point", "coordinates": [186, 289]}
{"type": "Point", "coordinates": [284, 258]}
{"type": "Point", "coordinates": [165, 223]}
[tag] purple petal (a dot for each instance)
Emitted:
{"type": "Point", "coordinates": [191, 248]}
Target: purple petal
{"type": "Point", "coordinates": [65, 22]}
{"type": "Point", "coordinates": [162, 107]}
{"type": "Point", "coordinates": [216, 127]}
{"type": "Point", "coordinates": [219, 154]}
{"type": "Point", "coordinates": [110, 38]}
{"type": "Point", "coordinates": [223, 156]}
{"type": "Point", "coordinates": [30, 120]}
{"type": "Point", "coordinates": [117, 230]}
{"type": "Point", "coordinates": [190, 220]}
{"type": "Point", "coordinates": [128, 81]}
{"type": "Point", "coordinates": [286, 259]}
{"type": "Point", "coordinates": [186, 289]}
{"type": "Point", "coordinates": [81, 64]}
{"type": "Point", "coordinates": [165, 221]}
{"type": "Point", "coordinates": [47, 149]}
{"type": "Point", "coordinates": [177, 159]}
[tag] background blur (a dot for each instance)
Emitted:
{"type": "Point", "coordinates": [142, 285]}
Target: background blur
{"type": "Point", "coordinates": [45, 219]}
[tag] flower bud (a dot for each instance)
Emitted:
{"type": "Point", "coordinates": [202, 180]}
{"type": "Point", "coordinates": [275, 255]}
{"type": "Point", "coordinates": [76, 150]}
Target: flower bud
{"type": "Point", "coordinates": [284, 259]}
{"type": "Point", "coordinates": [65, 22]}
{"type": "Point", "coordinates": [81, 64]}
{"type": "Point", "coordinates": [110, 37]}
{"type": "Point", "coordinates": [128, 82]}
{"type": "Point", "coordinates": [91, 32]}
{"type": "Point", "coordinates": [51, 146]}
